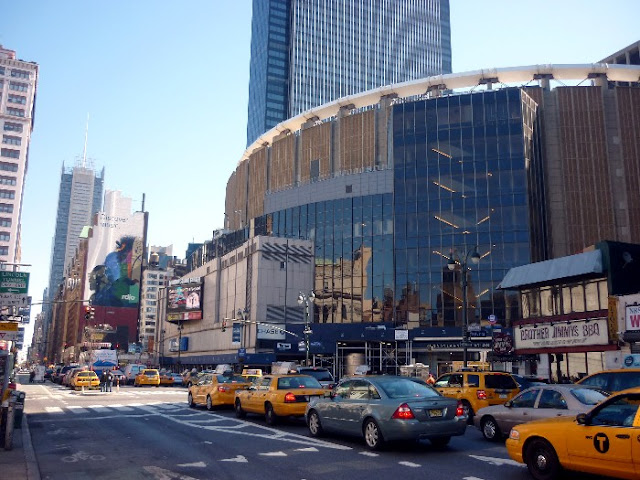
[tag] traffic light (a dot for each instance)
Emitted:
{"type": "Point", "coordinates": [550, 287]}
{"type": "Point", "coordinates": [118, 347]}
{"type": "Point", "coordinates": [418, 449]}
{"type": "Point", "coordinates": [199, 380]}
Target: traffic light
{"type": "Point", "coordinates": [224, 325]}
{"type": "Point", "coordinates": [93, 313]}
{"type": "Point", "coordinates": [87, 313]}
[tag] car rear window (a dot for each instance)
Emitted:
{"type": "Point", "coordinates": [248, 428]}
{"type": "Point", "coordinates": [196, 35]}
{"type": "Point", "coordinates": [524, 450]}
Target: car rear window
{"type": "Point", "coordinates": [500, 381]}
{"type": "Point", "coordinates": [298, 382]}
{"type": "Point", "coordinates": [150, 373]}
{"type": "Point", "coordinates": [400, 387]}
{"type": "Point", "coordinates": [231, 379]}
{"type": "Point", "coordinates": [624, 380]}
{"type": "Point", "coordinates": [320, 375]}
{"type": "Point", "coordinates": [588, 396]}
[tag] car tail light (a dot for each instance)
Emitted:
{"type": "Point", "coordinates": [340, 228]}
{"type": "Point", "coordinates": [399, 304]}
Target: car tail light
{"type": "Point", "coordinates": [289, 398]}
{"type": "Point", "coordinates": [222, 388]}
{"type": "Point", "coordinates": [459, 410]}
{"type": "Point", "coordinates": [403, 412]}
{"type": "Point", "coordinates": [482, 395]}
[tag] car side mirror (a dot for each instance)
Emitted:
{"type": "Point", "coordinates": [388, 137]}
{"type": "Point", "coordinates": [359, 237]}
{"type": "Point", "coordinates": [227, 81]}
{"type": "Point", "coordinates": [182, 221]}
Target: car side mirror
{"type": "Point", "coordinates": [582, 419]}
{"type": "Point", "coordinates": [508, 404]}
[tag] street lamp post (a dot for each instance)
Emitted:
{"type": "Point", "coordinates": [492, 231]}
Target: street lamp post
{"type": "Point", "coordinates": [451, 265]}
{"type": "Point", "coordinates": [305, 299]}
{"type": "Point", "coordinates": [179, 344]}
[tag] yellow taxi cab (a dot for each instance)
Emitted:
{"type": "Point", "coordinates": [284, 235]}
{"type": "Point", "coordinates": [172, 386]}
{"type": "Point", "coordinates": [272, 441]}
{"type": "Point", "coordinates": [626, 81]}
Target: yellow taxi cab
{"type": "Point", "coordinates": [604, 441]}
{"type": "Point", "coordinates": [86, 379]}
{"type": "Point", "coordinates": [477, 389]}
{"type": "Point", "coordinates": [166, 379]}
{"type": "Point", "coordinates": [148, 376]}
{"type": "Point", "coordinates": [252, 374]}
{"type": "Point", "coordinates": [214, 390]}
{"type": "Point", "coordinates": [278, 396]}
{"type": "Point", "coordinates": [613, 380]}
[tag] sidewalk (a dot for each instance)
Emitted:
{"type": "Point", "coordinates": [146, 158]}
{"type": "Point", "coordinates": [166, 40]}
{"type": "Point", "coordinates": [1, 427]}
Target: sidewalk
{"type": "Point", "coordinates": [20, 462]}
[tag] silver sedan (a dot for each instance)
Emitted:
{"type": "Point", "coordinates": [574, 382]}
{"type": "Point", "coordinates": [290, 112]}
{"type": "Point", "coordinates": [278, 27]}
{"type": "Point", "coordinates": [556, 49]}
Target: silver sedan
{"type": "Point", "coordinates": [384, 409]}
{"type": "Point", "coordinates": [542, 401]}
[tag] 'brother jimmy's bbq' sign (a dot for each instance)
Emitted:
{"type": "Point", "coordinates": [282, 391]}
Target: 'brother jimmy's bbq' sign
{"type": "Point", "coordinates": [573, 334]}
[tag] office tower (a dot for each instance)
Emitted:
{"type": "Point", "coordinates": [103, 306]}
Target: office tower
{"type": "Point", "coordinates": [80, 197]}
{"type": "Point", "coordinates": [306, 53]}
{"type": "Point", "coordinates": [18, 82]}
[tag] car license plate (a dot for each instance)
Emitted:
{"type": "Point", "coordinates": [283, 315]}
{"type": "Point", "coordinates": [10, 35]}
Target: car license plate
{"type": "Point", "coordinates": [435, 413]}
{"type": "Point", "coordinates": [503, 395]}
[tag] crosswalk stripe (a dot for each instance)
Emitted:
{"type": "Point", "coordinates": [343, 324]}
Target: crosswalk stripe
{"type": "Point", "coordinates": [76, 409]}
{"type": "Point", "coordinates": [53, 409]}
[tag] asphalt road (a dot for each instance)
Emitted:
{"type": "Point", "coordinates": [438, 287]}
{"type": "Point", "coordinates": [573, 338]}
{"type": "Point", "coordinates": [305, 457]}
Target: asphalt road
{"type": "Point", "coordinates": [151, 433]}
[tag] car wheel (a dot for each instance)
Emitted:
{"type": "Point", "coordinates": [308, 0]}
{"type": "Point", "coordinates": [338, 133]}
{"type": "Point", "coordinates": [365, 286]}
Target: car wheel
{"type": "Point", "coordinates": [468, 411]}
{"type": "Point", "coordinates": [440, 442]}
{"type": "Point", "coordinates": [190, 400]}
{"type": "Point", "coordinates": [490, 429]}
{"type": "Point", "coordinates": [209, 404]}
{"type": "Point", "coordinates": [541, 460]}
{"type": "Point", "coordinates": [315, 427]}
{"type": "Point", "coordinates": [372, 435]}
{"type": "Point", "coordinates": [269, 415]}
{"type": "Point", "coordinates": [240, 413]}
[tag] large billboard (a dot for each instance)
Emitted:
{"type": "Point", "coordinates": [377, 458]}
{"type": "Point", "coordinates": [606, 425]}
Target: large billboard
{"type": "Point", "coordinates": [114, 264]}
{"type": "Point", "coordinates": [184, 302]}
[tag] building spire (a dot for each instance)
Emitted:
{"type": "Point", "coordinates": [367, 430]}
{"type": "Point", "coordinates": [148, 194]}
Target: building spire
{"type": "Point", "coordinates": [84, 152]}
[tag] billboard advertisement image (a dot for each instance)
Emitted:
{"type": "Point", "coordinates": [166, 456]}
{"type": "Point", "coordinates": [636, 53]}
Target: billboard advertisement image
{"type": "Point", "coordinates": [184, 302]}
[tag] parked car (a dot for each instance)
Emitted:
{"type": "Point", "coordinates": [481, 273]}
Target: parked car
{"type": "Point", "coordinates": [66, 379]}
{"type": "Point", "coordinates": [324, 376]}
{"type": "Point", "coordinates": [477, 389]}
{"type": "Point", "coordinates": [278, 396]}
{"type": "Point", "coordinates": [148, 376]}
{"type": "Point", "coordinates": [387, 408]}
{"type": "Point", "coordinates": [535, 403]}
{"type": "Point", "coordinates": [613, 380]}
{"type": "Point", "coordinates": [602, 441]}
{"type": "Point", "coordinates": [61, 373]}
{"type": "Point", "coordinates": [216, 390]}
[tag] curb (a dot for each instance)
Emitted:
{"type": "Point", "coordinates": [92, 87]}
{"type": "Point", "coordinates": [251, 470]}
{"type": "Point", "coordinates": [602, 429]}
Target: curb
{"type": "Point", "coordinates": [33, 471]}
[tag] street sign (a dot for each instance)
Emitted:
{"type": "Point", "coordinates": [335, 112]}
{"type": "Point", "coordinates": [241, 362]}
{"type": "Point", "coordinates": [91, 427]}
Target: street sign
{"type": "Point", "coordinates": [13, 300]}
{"type": "Point", "coordinates": [11, 336]}
{"type": "Point", "coordinates": [492, 319]}
{"type": "Point", "coordinates": [14, 282]}
{"type": "Point", "coordinates": [8, 327]}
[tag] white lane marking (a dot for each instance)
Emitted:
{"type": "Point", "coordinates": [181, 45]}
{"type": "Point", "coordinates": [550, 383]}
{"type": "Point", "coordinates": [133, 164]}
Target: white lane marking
{"type": "Point", "coordinates": [136, 404]}
{"type": "Point", "coordinates": [369, 454]}
{"type": "Point", "coordinates": [97, 407]}
{"type": "Point", "coordinates": [239, 459]}
{"type": "Point", "coordinates": [273, 454]}
{"type": "Point", "coordinates": [76, 409]}
{"type": "Point", "coordinates": [53, 409]}
{"type": "Point", "coordinates": [308, 449]}
{"type": "Point", "coordinates": [410, 464]}
{"type": "Point", "coordinates": [208, 442]}
{"type": "Point", "coordinates": [498, 461]}
{"type": "Point", "coordinates": [472, 478]}
{"type": "Point", "coordinates": [162, 474]}
{"type": "Point", "coordinates": [197, 464]}
{"type": "Point", "coordinates": [48, 392]}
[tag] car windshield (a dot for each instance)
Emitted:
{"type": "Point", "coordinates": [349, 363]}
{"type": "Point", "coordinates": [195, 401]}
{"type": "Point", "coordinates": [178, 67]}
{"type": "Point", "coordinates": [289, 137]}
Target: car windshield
{"type": "Point", "coordinates": [588, 396]}
{"type": "Point", "coordinates": [231, 379]}
{"type": "Point", "coordinates": [298, 382]}
{"type": "Point", "coordinates": [402, 387]}
{"type": "Point", "coordinates": [320, 375]}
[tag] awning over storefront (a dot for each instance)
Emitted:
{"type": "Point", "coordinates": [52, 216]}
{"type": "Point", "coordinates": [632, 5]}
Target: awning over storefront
{"type": "Point", "coordinates": [550, 270]}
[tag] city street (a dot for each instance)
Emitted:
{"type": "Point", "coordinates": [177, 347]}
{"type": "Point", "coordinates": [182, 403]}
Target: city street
{"type": "Point", "coordinates": [152, 433]}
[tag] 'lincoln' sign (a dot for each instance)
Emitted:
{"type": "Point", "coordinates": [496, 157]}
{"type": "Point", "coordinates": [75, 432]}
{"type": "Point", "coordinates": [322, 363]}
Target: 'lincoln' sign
{"type": "Point", "coordinates": [574, 334]}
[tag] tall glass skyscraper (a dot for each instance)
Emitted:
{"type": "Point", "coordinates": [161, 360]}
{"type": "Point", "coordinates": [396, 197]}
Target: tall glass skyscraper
{"type": "Point", "coordinates": [306, 53]}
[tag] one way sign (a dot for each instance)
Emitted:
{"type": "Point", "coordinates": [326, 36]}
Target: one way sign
{"type": "Point", "coordinates": [13, 300]}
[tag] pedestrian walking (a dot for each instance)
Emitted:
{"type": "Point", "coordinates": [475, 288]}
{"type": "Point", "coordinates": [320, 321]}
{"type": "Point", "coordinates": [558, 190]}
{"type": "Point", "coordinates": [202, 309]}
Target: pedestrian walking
{"type": "Point", "coordinates": [103, 381]}
{"type": "Point", "coordinates": [32, 375]}
{"type": "Point", "coordinates": [109, 380]}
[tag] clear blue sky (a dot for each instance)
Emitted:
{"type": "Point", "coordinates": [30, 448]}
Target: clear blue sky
{"type": "Point", "coordinates": [166, 86]}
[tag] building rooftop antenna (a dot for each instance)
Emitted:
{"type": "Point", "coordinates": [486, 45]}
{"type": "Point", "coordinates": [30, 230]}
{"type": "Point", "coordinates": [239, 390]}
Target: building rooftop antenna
{"type": "Point", "coordinates": [84, 152]}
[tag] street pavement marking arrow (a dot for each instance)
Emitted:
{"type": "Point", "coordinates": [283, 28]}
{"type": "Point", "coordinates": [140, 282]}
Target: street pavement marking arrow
{"type": "Point", "coordinates": [310, 449]}
{"type": "Point", "coordinates": [409, 464]}
{"type": "Point", "coordinates": [498, 461]}
{"type": "Point", "coordinates": [274, 454]}
{"type": "Point", "coordinates": [162, 474]}
{"type": "Point", "coordinates": [197, 464]}
{"type": "Point", "coordinates": [239, 459]}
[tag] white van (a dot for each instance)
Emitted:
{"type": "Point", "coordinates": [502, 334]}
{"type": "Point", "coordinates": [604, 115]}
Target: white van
{"type": "Point", "coordinates": [131, 370]}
